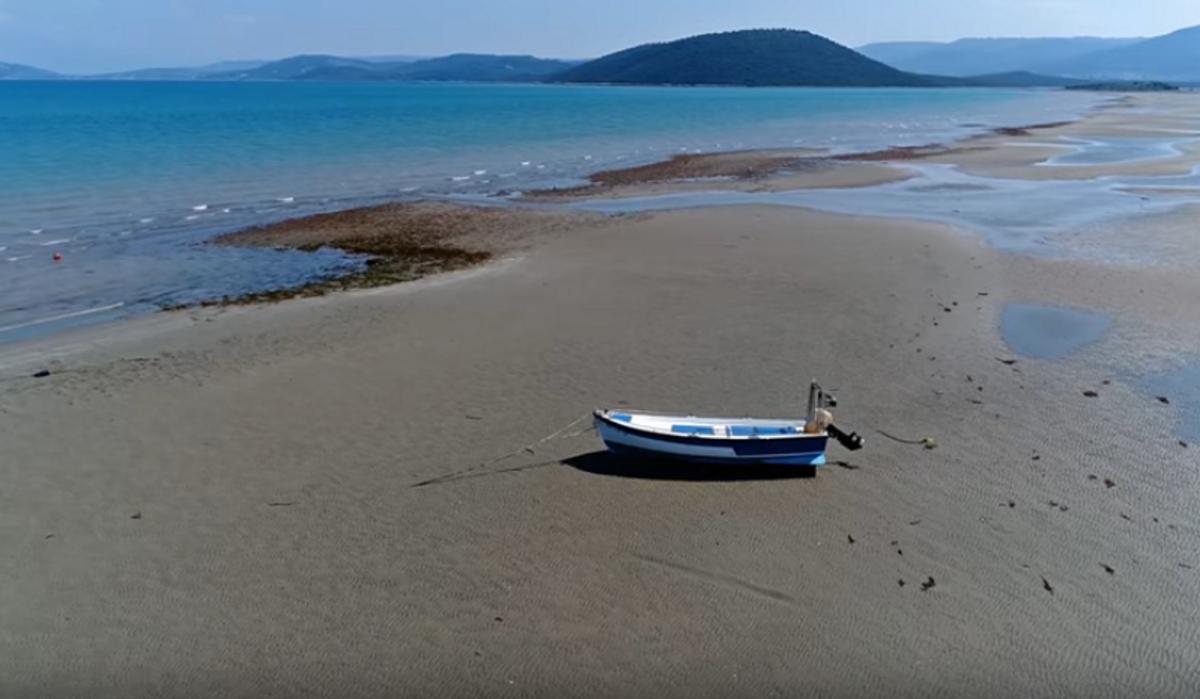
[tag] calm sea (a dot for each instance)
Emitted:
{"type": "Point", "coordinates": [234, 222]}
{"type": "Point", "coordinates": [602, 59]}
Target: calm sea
{"type": "Point", "coordinates": [127, 180]}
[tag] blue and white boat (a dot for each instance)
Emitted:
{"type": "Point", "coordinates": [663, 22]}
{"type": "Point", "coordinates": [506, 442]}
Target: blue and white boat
{"type": "Point", "coordinates": [712, 440]}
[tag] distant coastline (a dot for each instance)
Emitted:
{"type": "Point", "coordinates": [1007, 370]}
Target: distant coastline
{"type": "Point", "coordinates": [746, 58]}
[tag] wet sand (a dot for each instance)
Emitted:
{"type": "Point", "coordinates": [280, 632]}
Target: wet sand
{"type": "Point", "coordinates": [333, 496]}
{"type": "Point", "coordinates": [744, 171]}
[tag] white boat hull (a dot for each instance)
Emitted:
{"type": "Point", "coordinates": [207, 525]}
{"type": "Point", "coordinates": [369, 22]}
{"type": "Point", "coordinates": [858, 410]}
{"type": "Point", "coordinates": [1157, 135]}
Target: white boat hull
{"type": "Point", "coordinates": [710, 440]}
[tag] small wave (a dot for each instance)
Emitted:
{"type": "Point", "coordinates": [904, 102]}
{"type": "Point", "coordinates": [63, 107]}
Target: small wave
{"type": "Point", "coordinates": [146, 220]}
{"type": "Point", "coordinates": [193, 217]}
{"type": "Point", "coordinates": [287, 200]}
{"type": "Point", "coordinates": [200, 207]}
{"type": "Point", "coordinates": [461, 178]}
{"type": "Point", "coordinates": [59, 241]}
{"type": "Point", "coordinates": [587, 157]}
{"type": "Point", "coordinates": [63, 316]}
{"type": "Point", "coordinates": [226, 211]}
{"type": "Point", "coordinates": [408, 190]}
{"type": "Point", "coordinates": [18, 258]}
{"type": "Point", "coordinates": [525, 163]}
{"type": "Point", "coordinates": [35, 231]}
{"type": "Point", "coordinates": [480, 173]}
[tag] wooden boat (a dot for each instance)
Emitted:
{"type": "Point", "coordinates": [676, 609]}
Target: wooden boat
{"type": "Point", "coordinates": [710, 440]}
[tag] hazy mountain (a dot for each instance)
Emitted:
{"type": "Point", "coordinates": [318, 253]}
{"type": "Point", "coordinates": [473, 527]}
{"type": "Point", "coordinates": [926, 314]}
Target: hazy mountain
{"type": "Point", "coordinates": [981, 56]}
{"type": "Point", "coordinates": [756, 57]}
{"type": "Point", "coordinates": [183, 73]}
{"type": "Point", "coordinates": [225, 66]}
{"type": "Point", "coordinates": [1021, 78]}
{"type": "Point", "coordinates": [464, 67]}
{"type": "Point", "coordinates": [16, 71]}
{"type": "Point", "coordinates": [391, 58]}
{"type": "Point", "coordinates": [482, 68]}
{"type": "Point", "coordinates": [307, 67]}
{"type": "Point", "coordinates": [1013, 79]}
{"type": "Point", "coordinates": [897, 53]}
{"type": "Point", "coordinates": [1175, 57]}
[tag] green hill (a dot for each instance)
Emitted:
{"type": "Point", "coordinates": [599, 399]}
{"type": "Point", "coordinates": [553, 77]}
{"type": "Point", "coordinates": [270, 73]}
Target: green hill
{"type": "Point", "coordinates": [758, 57]}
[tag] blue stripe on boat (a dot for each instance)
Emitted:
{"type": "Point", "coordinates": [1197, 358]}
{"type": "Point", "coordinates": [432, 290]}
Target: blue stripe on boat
{"type": "Point", "coordinates": [691, 429]}
{"type": "Point", "coordinates": [753, 430]}
{"type": "Point", "coordinates": [816, 459]}
{"type": "Point", "coordinates": [622, 418]}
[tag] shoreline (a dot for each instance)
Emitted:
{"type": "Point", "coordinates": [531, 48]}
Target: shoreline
{"type": "Point", "coordinates": [389, 259]}
{"type": "Point", "coordinates": [761, 170]}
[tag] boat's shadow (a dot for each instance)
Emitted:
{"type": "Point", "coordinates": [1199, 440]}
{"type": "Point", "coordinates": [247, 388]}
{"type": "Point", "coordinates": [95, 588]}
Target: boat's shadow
{"type": "Point", "coordinates": [604, 463]}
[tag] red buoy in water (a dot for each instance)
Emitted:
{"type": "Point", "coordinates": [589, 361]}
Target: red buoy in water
{"type": "Point", "coordinates": [57, 257]}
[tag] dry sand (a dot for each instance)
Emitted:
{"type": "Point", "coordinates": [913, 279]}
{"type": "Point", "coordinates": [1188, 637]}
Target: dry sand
{"type": "Point", "coordinates": [305, 499]}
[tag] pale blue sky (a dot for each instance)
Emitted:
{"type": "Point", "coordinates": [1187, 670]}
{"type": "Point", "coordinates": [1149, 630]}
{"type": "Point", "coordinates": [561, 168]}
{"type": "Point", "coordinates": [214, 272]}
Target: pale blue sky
{"type": "Point", "coordinates": [97, 35]}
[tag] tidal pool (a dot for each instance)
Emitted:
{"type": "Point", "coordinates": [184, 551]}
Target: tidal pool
{"type": "Point", "coordinates": [1180, 386]}
{"type": "Point", "coordinates": [1050, 332]}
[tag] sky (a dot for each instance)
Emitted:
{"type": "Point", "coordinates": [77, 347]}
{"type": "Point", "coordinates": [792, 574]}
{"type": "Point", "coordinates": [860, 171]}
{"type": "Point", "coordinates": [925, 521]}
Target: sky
{"type": "Point", "coordinates": [83, 36]}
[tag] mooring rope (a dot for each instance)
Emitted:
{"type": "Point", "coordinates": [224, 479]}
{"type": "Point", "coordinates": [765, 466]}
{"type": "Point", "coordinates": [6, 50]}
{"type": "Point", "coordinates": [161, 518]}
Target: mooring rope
{"type": "Point", "coordinates": [556, 435]}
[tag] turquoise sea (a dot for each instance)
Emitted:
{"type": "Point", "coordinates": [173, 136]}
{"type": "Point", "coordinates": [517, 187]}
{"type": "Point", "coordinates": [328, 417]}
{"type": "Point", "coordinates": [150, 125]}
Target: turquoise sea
{"type": "Point", "coordinates": [127, 180]}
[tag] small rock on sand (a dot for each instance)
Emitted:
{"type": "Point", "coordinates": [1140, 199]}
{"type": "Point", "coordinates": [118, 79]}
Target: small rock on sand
{"type": "Point", "coordinates": [928, 585]}
{"type": "Point", "coordinates": [1091, 394]}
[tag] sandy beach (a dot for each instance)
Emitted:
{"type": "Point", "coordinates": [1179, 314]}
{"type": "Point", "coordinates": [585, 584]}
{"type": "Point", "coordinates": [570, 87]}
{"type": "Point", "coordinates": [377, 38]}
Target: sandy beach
{"type": "Point", "coordinates": [348, 495]}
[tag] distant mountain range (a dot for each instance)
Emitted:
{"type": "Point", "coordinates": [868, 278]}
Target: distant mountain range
{"type": "Point", "coordinates": [976, 56]}
{"type": "Point", "coordinates": [463, 66]}
{"type": "Point", "coordinates": [1175, 56]}
{"type": "Point", "coordinates": [759, 57]}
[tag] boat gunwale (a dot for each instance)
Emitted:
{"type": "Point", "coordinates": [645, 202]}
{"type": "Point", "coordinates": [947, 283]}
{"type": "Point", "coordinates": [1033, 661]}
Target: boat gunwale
{"type": "Point", "coordinates": [674, 436]}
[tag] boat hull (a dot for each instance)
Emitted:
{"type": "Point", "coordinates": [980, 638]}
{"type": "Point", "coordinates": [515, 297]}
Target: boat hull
{"type": "Point", "coordinates": [806, 450]}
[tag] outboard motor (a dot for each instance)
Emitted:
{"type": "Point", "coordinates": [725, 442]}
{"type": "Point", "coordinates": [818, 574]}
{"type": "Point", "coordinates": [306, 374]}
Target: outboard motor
{"type": "Point", "coordinates": [818, 401]}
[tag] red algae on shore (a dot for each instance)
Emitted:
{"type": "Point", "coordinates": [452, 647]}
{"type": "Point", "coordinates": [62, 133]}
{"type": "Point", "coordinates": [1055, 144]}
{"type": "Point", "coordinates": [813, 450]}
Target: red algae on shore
{"type": "Point", "coordinates": [402, 242]}
{"type": "Point", "coordinates": [735, 165]}
{"type": "Point", "coordinates": [1028, 130]}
